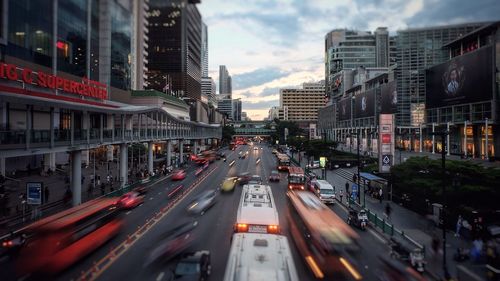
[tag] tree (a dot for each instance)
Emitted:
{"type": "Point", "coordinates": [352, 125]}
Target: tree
{"type": "Point", "coordinates": [227, 133]}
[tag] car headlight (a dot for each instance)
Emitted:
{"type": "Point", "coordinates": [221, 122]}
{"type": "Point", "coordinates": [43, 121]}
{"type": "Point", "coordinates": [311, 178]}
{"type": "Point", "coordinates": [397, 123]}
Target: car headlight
{"type": "Point", "coordinates": [193, 205]}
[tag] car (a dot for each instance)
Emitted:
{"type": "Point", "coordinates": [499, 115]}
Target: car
{"type": "Point", "coordinates": [172, 243]}
{"type": "Point", "coordinates": [313, 165]}
{"type": "Point", "coordinates": [229, 184]}
{"type": "Point", "coordinates": [202, 203]}
{"type": "Point", "coordinates": [193, 266]}
{"type": "Point", "coordinates": [275, 151]}
{"type": "Point", "coordinates": [178, 175]}
{"type": "Point", "coordinates": [274, 176]}
{"type": "Point", "coordinates": [255, 148]}
{"type": "Point", "coordinates": [140, 189]}
{"type": "Point", "coordinates": [255, 179]}
{"type": "Point", "coordinates": [130, 200]}
{"type": "Point", "coordinates": [243, 178]}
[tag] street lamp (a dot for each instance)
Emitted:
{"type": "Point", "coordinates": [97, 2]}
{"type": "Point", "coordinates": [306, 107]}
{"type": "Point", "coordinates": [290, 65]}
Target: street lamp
{"type": "Point", "coordinates": [443, 136]}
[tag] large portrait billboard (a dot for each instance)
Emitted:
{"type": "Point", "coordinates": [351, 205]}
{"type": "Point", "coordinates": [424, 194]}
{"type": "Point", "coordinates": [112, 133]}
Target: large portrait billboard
{"type": "Point", "coordinates": [389, 97]}
{"type": "Point", "coordinates": [344, 108]}
{"type": "Point", "coordinates": [464, 79]}
{"type": "Point", "coordinates": [365, 104]}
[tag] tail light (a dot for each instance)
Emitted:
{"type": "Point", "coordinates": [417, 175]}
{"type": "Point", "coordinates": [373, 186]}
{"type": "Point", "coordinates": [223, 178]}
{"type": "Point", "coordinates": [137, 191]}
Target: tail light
{"type": "Point", "coordinates": [290, 186]}
{"type": "Point", "coordinates": [272, 229]}
{"type": "Point", "coordinates": [302, 187]}
{"type": "Point", "coordinates": [241, 227]}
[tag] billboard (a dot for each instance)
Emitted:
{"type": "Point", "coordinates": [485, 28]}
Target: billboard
{"type": "Point", "coordinates": [463, 79]}
{"type": "Point", "coordinates": [386, 142]}
{"type": "Point", "coordinates": [389, 98]}
{"type": "Point", "coordinates": [365, 104]}
{"type": "Point", "coordinates": [345, 108]}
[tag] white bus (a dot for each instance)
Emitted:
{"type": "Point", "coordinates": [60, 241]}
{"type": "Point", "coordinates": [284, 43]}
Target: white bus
{"type": "Point", "coordinates": [258, 256]}
{"type": "Point", "coordinates": [257, 211]}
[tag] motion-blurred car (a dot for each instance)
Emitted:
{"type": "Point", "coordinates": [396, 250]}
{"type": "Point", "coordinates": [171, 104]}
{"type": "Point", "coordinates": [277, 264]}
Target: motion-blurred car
{"type": "Point", "coordinates": [229, 184]}
{"type": "Point", "coordinates": [193, 267]}
{"type": "Point", "coordinates": [255, 179]}
{"type": "Point", "coordinates": [130, 200]}
{"type": "Point", "coordinates": [203, 202]}
{"type": "Point", "coordinates": [172, 243]}
{"type": "Point", "coordinates": [313, 165]}
{"type": "Point", "coordinates": [274, 176]}
{"type": "Point", "coordinates": [243, 178]}
{"type": "Point", "coordinates": [178, 175]}
{"type": "Point", "coordinates": [255, 148]}
{"type": "Point", "coordinates": [394, 270]}
{"type": "Point", "coordinates": [140, 189]}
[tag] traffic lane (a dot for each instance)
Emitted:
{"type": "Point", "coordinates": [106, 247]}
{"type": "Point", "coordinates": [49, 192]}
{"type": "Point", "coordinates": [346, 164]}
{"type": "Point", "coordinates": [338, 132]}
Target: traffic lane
{"type": "Point", "coordinates": [133, 219]}
{"type": "Point", "coordinates": [372, 245]}
{"type": "Point", "coordinates": [134, 259]}
{"type": "Point", "coordinates": [280, 200]}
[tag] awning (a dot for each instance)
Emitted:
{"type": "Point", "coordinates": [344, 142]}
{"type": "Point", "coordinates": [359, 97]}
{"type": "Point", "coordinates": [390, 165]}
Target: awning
{"type": "Point", "coordinates": [371, 177]}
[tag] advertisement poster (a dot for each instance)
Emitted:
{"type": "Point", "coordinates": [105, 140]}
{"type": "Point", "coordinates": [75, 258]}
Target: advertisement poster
{"type": "Point", "coordinates": [34, 193]}
{"type": "Point", "coordinates": [463, 79]}
{"type": "Point", "coordinates": [345, 109]}
{"type": "Point", "coordinates": [389, 97]}
{"type": "Point", "coordinates": [365, 104]}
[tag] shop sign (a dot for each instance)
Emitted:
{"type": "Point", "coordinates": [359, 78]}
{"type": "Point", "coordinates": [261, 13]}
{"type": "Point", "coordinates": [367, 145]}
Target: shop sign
{"type": "Point", "coordinates": [86, 87]}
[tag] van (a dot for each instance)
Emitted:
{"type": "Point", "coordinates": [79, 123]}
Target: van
{"type": "Point", "coordinates": [324, 190]}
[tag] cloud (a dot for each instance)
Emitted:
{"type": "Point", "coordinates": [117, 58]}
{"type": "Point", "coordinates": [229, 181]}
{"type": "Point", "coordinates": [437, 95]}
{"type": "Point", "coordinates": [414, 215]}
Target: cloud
{"type": "Point", "coordinates": [271, 44]}
{"type": "Point", "coordinates": [260, 104]}
{"type": "Point", "coordinates": [257, 77]}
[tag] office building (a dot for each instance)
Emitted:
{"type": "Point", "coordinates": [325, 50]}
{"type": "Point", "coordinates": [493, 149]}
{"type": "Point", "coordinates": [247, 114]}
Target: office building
{"type": "Point", "coordinates": [204, 50]}
{"type": "Point", "coordinates": [350, 49]}
{"type": "Point", "coordinates": [418, 49]}
{"type": "Point", "coordinates": [225, 106]}
{"type": "Point", "coordinates": [273, 113]}
{"type": "Point", "coordinates": [174, 48]}
{"type": "Point", "coordinates": [225, 88]}
{"type": "Point", "coordinates": [139, 44]}
{"type": "Point", "coordinates": [302, 104]}
{"type": "Point", "coordinates": [236, 103]}
{"type": "Point", "coordinates": [208, 89]}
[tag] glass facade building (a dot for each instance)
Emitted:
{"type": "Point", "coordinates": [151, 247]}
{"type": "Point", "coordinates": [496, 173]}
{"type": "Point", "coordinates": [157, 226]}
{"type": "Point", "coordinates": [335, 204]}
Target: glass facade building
{"type": "Point", "coordinates": [58, 35]}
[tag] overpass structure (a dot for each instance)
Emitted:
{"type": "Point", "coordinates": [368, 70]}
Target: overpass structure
{"type": "Point", "coordinates": [253, 128]}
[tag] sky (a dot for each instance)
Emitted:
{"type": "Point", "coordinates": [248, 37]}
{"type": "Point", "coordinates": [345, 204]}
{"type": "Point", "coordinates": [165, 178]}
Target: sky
{"type": "Point", "coordinates": [272, 44]}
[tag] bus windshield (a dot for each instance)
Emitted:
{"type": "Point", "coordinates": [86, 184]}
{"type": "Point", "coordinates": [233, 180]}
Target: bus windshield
{"type": "Point", "coordinates": [296, 179]}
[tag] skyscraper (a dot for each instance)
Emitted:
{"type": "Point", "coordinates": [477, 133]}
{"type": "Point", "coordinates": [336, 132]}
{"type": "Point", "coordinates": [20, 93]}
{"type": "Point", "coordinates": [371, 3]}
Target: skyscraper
{"type": "Point", "coordinates": [418, 49]}
{"type": "Point", "coordinates": [225, 88]}
{"type": "Point", "coordinates": [303, 104]}
{"type": "Point", "coordinates": [236, 109]}
{"type": "Point", "coordinates": [174, 48]}
{"type": "Point", "coordinates": [208, 88]}
{"type": "Point", "coordinates": [204, 50]}
{"type": "Point", "coordinates": [139, 43]}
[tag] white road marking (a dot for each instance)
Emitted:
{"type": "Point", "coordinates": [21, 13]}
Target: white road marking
{"type": "Point", "coordinates": [151, 198]}
{"type": "Point", "coordinates": [160, 276]}
{"type": "Point", "coordinates": [159, 193]}
{"type": "Point", "coordinates": [128, 212]}
{"type": "Point", "coordinates": [376, 235]}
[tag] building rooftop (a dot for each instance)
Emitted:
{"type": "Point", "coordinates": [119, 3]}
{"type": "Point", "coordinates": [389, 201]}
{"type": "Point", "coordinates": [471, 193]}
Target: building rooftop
{"type": "Point", "coordinates": [154, 93]}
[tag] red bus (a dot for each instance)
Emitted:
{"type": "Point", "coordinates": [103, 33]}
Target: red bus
{"type": "Point", "coordinates": [283, 162]}
{"type": "Point", "coordinates": [327, 244]}
{"type": "Point", "coordinates": [56, 242]}
{"type": "Point", "coordinates": [296, 178]}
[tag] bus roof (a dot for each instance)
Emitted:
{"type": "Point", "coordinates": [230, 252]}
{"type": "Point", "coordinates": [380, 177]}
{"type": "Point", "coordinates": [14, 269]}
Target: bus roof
{"type": "Point", "coordinates": [66, 217]}
{"type": "Point", "coordinates": [256, 256]}
{"type": "Point", "coordinates": [320, 219]}
{"type": "Point", "coordinates": [257, 206]}
{"type": "Point", "coordinates": [295, 171]}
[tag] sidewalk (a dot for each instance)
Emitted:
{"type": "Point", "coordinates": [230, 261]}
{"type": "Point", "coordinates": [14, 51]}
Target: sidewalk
{"type": "Point", "coordinates": [416, 226]}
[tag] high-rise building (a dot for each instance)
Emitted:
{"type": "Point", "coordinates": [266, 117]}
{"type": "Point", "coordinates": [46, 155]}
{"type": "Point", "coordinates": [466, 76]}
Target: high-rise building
{"type": "Point", "coordinates": [273, 113]}
{"type": "Point", "coordinates": [225, 88]}
{"type": "Point", "coordinates": [236, 109]}
{"type": "Point", "coordinates": [225, 106]}
{"type": "Point", "coordinates": [303, 104]}
{"type": "Point", "coordinates": [208, 88]}
{"type": "Point", "coordinates": [204, 50]}
{"type": "Point", "coordinates": [418, 49]}
{"type": "Point", "coordinates": [350, 49]}
{"type": "Point", "coordinates": [174, 47]}
{"type": "Point", "coordinates": [139, 44]}
{"type": "Point", "coordinates": [74, 39]}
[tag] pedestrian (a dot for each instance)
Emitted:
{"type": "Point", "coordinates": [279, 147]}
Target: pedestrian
{"type": "Point", "coordinates": [435, 244]}
{"type": "Point", "coordinates": [341, 196]}
{"type": "Point", "coordinates": [346, 187]}
{"type": "Point", "coordinates": [67, 195]}
{"type": "Point", "coordinates": [103, 189]}
{"type": "Point", "coordinates": [46, 194]}
{"type": "Point", "coordinates": [83, 179]}
{"type": "Point", "coordinates": [98, 180]}
{"type": "Point", "coordinates": [388, 210]}
{"type": "Point", "coordinates": [380, 195]}
{"type": "Point", "coordinates": [458, 226]}
{"type": "Point", "coordinates": [354, 178]}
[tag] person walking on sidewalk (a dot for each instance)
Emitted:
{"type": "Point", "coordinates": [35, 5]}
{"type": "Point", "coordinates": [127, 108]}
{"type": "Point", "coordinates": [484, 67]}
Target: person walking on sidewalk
{"type": "Point", "coordinates": [459, 226]}
{"type": "Point", "coordinates": [347, 187]}
{"type": "Point", "coordinates": [341, 196]}
{"type": "Point", "coordinates": [380, 195]}
{"type": "Point", "coordinates": [46, 194]}
{"type": "Point", "coordinates": [388, 211]}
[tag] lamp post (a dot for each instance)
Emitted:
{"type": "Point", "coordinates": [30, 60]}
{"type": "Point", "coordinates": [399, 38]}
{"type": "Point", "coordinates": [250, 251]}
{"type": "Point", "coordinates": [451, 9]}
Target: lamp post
{"type": "Point", "coordinates": [443, 136]}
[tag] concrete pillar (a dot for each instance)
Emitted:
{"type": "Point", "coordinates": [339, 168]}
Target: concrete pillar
{"type": "Point", "coordinates": [123, 164]}
{"type": "Point", "coordinates": [181, 151]}
{"type": "Point", "coordinates": [76, 181]}
{"type": "Point", "coordinates": [195, 146]}
{"type": "Point", "coordinates": [2, 166]}
{"type": "Point", "coordinates": [486, 136]}
{"type": "Point", "coordinates": [169, 153]}
{"type": "Point", "coordinates": [150, 157]}
{"type": "Point", "coordinates": [86, 157]}
{"type": "Point", "coordinates": [49, 162]}
{"type": "Point", "coordinates": [420, 144]}
{"type": "Point", "coordinates": [109, 153]}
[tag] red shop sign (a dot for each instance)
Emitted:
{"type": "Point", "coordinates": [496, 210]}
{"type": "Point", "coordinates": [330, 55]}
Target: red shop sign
{"type": "Point", "coordinates": [386, 138]}
{"type": "Point", "coordinates": [88, 88]}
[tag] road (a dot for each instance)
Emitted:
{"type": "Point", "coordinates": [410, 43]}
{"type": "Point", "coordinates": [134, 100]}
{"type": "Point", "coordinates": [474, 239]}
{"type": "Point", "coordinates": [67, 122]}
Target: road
{"type": "Point", "coordinates": [213, 231]}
